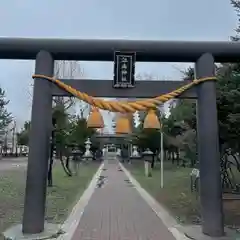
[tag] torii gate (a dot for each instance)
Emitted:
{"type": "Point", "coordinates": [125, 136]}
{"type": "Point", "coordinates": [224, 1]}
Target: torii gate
{"type": "Point", "coordinates": [45, 51]}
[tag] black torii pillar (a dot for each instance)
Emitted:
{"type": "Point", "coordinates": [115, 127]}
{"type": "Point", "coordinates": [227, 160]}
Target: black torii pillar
{"type": "Point", "coordinates": [208, 149]}
{"type": "Point", "coordinates": [41, 121]}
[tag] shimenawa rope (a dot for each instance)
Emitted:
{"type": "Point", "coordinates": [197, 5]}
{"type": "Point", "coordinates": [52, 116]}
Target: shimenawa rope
{"type": "Point", "coordinates": [124, 106]}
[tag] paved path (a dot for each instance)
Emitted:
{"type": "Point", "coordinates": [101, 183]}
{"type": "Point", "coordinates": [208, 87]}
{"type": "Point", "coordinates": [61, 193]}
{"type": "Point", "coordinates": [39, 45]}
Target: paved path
{"type": "Point", "coordinates": [117, 212]}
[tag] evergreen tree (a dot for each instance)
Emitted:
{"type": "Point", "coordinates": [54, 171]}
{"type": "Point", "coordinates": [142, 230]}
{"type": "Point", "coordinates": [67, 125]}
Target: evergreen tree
{"type": "Point", "coordinates": [5, 116]}
{"type": "Point", "coordinates": [236, 6]}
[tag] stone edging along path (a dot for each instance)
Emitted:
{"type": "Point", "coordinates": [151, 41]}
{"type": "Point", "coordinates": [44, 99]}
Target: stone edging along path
{"type": "Point", "coordinates": [160, 211]}
{"type": "Point", "coordinates": [69, 226]}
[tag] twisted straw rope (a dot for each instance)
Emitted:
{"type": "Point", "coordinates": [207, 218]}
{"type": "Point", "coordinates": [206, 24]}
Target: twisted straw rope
{"type": "Point", "coordinates": [124, 106]}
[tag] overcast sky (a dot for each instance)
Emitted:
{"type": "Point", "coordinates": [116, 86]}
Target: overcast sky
{"type": "Point", "coordinates": [129, 19]}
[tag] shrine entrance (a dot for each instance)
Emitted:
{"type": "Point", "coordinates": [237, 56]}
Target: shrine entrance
{"type": "Point", "coordinates": [124, 53]}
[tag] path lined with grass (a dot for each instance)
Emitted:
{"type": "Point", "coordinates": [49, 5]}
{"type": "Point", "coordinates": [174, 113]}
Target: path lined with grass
{"type": "Point", "coordinates": [176, 195]}
{"type": "Point", "coordinates": [60, 198]}
{"type": "Point", "coordinates": [117, 211]}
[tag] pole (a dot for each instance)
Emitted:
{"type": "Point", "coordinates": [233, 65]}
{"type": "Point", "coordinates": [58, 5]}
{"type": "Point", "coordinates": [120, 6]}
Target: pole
{"type": "Point", "coordinates": [162, 154]}
{"type": "Point", "coordinates": [6, 143]}
{"type": "Point", "coordinates": [208, 150]}
{"type": "Point", "coordinates": [13, 135]}
{"type": "Point", "coordinates": [38, 157]}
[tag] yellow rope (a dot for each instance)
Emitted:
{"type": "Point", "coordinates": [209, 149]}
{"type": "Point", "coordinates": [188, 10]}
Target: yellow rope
{"type": "Point", "coordinates": [124, 107]}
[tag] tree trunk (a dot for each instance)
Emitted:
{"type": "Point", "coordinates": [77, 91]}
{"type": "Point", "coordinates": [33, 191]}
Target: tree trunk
{"type": "Point", "coordinates": [165, 155]}
{"type": "Point", "coordinates": [50, 179]}
{"type": "Point", "coordinates": [177, 156]}
{"type": "Point", "coordinates": [153, 162]}
{"type": "Point", "coordinates": [172, 156]}
{"type": "Point", "coordinates": [68, 165]}
{"type": "Point", "coordinates": [63, 165]}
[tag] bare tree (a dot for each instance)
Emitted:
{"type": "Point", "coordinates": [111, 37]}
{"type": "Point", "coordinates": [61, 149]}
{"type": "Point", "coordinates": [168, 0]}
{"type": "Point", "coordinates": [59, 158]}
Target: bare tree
{"type": "Point", "coordinates": [67, 70]}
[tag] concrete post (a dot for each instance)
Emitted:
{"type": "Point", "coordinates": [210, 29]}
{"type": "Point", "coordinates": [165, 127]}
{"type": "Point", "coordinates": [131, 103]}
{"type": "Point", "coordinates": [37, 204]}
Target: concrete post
{"type": "Point", "coordinates": [208, 150]}
{"type": "Point", "coordinates": [35, 195]}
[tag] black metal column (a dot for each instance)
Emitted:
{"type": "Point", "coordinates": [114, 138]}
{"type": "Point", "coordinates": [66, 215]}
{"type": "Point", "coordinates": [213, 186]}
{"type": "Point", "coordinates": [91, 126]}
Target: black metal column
{"type": "Point", "coordinates": [35, 195]}
{"type": "Point", "coordinates": [208, 150]}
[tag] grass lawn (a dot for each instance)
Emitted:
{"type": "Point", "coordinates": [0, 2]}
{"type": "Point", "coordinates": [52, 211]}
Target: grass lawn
{"type": "Point", "coordinates": [177, 196]}
{"type": "Point", "coordinates": [60, 199]}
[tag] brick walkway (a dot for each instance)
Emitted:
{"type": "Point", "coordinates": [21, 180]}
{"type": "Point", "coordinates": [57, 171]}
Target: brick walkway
{"type": "Point", "coordinates": [117, 212]}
